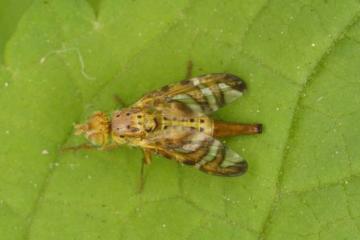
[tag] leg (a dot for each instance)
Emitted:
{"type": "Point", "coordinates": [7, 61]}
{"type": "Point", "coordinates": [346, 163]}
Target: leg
{"type": "Point", "coordinates": [189, 69]}
{"type": "Point", "coordinates": [147, 156]}
{"type": "Point", "coordinates": [109, 147]}
{"type": "Point", "coordinates": [119, 101]}
{"type": "Point", "coordinates": [146, 160]}
{"type": "Point", "coordinates": [86, 146]}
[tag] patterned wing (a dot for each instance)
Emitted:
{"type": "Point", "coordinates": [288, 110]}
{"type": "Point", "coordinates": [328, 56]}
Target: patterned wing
{"type": "Point", "coordinates": [203, 94]}
{"type": "Point", "coordinates": [191, 147]}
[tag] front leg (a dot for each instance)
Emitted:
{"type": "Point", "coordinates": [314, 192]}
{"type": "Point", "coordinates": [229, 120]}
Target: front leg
{"type": "Point", "coordinates": [88, 146]}
{"type": "Point", "coordinates": [119, 101]}
{"type": "Point", "coordinates": [189, 70]}
{"type": "Point", "coordinates": [109, 147]}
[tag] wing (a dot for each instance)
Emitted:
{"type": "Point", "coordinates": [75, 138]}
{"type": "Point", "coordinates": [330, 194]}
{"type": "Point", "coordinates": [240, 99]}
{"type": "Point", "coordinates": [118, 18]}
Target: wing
{"type": "Point", "coordinates": [191, 147]}
{"type": "Point", "coordinates": [203, 94]}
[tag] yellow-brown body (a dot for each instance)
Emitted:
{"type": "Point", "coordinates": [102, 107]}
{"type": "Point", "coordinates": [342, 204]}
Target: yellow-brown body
{"type": "Point", "coordinates": [174, 123]}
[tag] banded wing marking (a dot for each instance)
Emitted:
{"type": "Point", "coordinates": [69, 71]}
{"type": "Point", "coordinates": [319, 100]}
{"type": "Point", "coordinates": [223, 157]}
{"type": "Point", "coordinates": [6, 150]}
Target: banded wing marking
{"type": "Point", "coordinates": [191, 147]}
{"type": "Point", "coordinates": [204, 94]}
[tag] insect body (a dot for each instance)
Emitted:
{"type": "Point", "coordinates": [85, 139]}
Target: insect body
{"type": "Point", "coordinates": [174, 122]}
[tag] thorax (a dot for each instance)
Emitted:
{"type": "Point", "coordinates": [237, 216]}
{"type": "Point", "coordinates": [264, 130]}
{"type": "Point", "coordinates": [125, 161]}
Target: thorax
{"type": "Point", "coordinates": [133, 124]}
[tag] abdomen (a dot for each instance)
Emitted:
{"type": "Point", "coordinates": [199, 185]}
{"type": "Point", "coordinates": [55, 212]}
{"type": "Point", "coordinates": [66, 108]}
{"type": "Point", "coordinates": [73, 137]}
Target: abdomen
{"type": "Point", "coordinates": [201, 124]}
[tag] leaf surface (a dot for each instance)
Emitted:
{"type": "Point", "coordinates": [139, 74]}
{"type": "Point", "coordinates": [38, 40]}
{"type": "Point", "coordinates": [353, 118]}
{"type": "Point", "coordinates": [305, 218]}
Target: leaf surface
{"type": "Point", "coordinates": [65, 59]}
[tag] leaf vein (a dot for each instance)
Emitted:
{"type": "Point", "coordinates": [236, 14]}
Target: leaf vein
{"type": "Point", "coordinates": [295, 121]}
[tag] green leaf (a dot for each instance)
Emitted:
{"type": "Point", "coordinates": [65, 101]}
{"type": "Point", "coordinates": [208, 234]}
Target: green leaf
{"type": "Point", "coordinates": [65, 59]}
{"type": "Point", "coordinates": [9, 17]}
